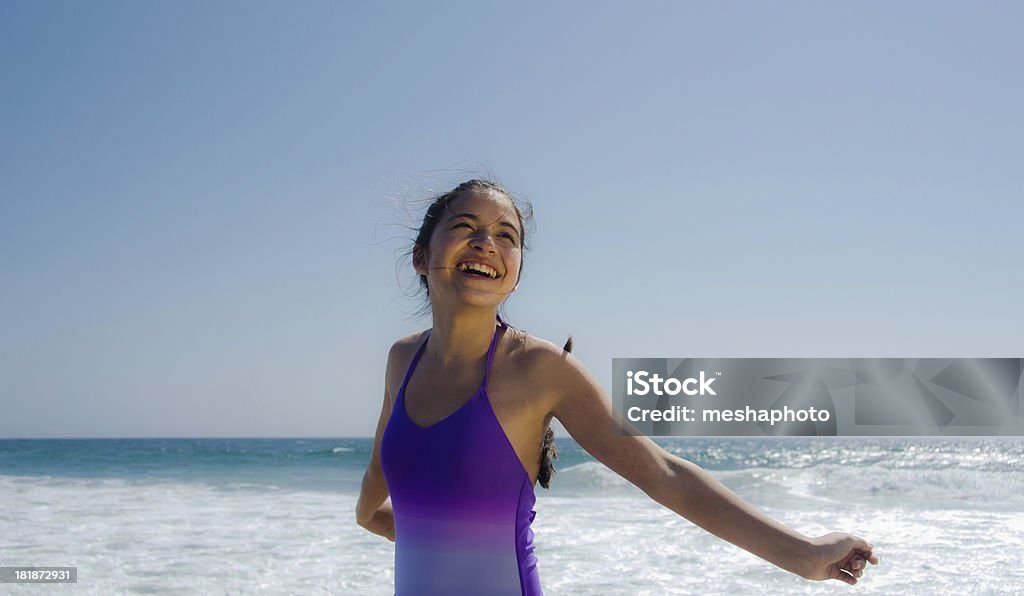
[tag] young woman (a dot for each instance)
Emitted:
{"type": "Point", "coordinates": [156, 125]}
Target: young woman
{"type": "Point", "coordinates": [464, 433]}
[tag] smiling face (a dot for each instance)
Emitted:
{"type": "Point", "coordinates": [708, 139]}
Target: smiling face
{"type": "Point", "coordinates": [475, 252]}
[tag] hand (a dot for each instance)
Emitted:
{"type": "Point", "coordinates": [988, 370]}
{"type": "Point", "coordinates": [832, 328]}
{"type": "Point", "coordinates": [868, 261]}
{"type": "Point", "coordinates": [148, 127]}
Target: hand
{"type": "Point", "coordinates": [382, 523]}
{"type": "Point", "coordinates": [839, 556]}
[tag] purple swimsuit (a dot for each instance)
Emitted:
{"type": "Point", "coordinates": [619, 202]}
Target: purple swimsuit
{"type": "Point", "coordinates": [463, 502]}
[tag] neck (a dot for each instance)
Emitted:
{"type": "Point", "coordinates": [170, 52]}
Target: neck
{"type": "Point", "coordinates": [462, 336]}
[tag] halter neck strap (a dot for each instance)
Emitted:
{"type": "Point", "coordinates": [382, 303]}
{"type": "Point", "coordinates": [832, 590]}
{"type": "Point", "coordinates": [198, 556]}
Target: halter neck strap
{"type": "Point", "coordinates": [490, 351]}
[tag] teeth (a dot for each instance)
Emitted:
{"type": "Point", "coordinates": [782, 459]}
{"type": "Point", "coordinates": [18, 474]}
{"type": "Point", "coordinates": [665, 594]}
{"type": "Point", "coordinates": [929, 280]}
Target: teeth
{"type": "Point", "coordinates": [478, 267]}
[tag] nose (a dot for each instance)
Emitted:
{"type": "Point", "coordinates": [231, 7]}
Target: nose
{"type": "Point", "coordinates": [483, 240]}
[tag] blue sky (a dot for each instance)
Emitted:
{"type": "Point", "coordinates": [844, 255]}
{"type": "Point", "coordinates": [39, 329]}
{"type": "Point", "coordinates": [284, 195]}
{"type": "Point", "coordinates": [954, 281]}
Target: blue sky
{"type": "Point", "coordinates": [202, 202]}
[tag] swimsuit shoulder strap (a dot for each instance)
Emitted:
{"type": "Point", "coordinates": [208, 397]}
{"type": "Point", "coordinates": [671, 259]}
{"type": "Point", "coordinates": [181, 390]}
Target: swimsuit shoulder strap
{"type": "Point", "coordinates": [415, 361]}
{"type": "Point", "coordinates": [490, 351]}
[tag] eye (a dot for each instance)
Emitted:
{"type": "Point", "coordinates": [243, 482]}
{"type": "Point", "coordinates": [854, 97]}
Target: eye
{"type": "Point", "coordinates": [462, 224]}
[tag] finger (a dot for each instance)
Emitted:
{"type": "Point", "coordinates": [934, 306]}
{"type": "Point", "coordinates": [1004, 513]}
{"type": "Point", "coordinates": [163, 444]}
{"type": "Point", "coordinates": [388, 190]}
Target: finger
{"type": "Point", "coordinates": [868, 556]}
{"type": "Point", "coordinates": [861, 544]}
{"type": "Point", "coordinates": [844, 577]}
{"type": "Point", "coordinates": [853, 557]}
{"type": "Point", "coordinates": [858, 573]}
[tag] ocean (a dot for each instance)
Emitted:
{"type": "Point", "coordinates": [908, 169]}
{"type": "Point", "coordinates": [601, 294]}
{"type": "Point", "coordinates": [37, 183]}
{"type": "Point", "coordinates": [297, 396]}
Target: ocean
{"type": "Point", "coordinates": [242, 516]}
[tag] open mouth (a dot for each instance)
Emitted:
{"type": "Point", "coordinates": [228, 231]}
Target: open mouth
{"type": "Point", "coordinates": [474, 269]}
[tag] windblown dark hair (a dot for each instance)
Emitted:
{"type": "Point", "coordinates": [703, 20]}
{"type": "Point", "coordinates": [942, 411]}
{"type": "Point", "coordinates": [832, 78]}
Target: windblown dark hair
{"type": "Point", "coordinates": [548, 450]}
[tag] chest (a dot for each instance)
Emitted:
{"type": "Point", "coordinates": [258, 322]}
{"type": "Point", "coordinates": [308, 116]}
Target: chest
{"type": "Point", "coordinates": [433, 397]}
{"type": "Point", "coordinates": [432, 394]}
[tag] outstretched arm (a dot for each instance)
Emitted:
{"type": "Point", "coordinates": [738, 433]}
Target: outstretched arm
{"type": "Point", "coordinates": [585, 411]}
{"type": "Point", "coordinates": [696, 495]}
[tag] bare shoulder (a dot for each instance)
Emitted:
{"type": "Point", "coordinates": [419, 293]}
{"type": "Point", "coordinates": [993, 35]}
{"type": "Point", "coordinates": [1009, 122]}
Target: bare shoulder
{"type": "Point", "coordinates": [405, 344]}
{"type": "Point", "coordinates": [399, 357]}
{"type": "Point", "coordinates": [547, 364]}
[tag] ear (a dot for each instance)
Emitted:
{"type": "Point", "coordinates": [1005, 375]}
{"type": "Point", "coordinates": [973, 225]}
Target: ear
{"type": "Point", "coordinates": [419, 260]}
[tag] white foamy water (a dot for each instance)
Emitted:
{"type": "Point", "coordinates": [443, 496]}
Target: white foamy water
{"type": "Point", "coordinates": [174, 538]}
{"type": "Point", "coordinates": [958, 540]}
{"type": "Point", "coordinates": [164, 537]}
